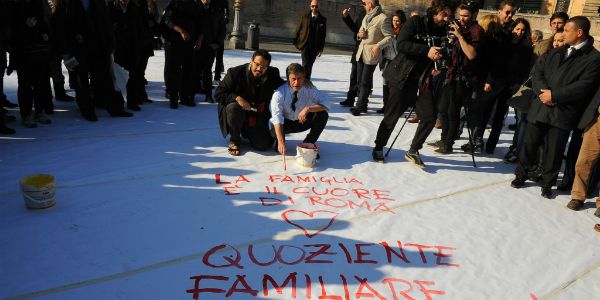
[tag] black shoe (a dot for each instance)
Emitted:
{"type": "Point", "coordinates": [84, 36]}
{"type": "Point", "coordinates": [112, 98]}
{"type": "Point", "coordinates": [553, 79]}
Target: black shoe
{"type": "Point", "coordinates": [381, 111]}
{"type": "Point", "coordinates": [173, 104]}
{"type": "Point", "coordinates": [436, 144]}
{"type": "Point", "coordinates": [477, 147]}
{"type": "Point", "coordinates": [121, 114]}
{"type": "Point", "coordinates": [575, 204]}
{"type": "Point", "coordinates": [547, 192]}
{"type": "Point", "coordinates": [6, 130]}
{"type": "Point", "coordinates": [6, 103]}
{"type": "Point", "coordinates": [134, 107]}
{"type": "Point", "coordinates": [378, 156]}
{"type": "Point", "coordinates": [347, 103]}
{"type": "Point", "coordinates": [414, 158]}
{"type": "Point", "coordinates": [518, 182]}
{"type": "Point", "coordinates": [512, 126]}
{"type": "Point", "coordinates": [190, 103]}
{"type": "Point", "coordinates": [357, 111]}
{"type": "Point", "coordinates": [28, 122]}
{"type": "Point", "coordinates": [146, 100]}
{"type": "Point", "coordinates": [41, 118]}
{"type": "Point", "coordinates": [49, 110]}
{"type": "Point", "coordinates": [443, 150]}
{"type": "Point", "coordinates": [90, 116]}
{"type": "Point", "coordinates": [64, 98]}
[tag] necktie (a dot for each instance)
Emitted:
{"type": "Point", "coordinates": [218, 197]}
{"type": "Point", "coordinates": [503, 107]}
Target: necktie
{"type": "Point", "coordinates": [570, 51]}
{"type": "Point", "coordinates": [294, 100]}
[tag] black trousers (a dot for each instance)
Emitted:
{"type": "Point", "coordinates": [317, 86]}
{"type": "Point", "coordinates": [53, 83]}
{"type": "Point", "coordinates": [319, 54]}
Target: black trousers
{"type": "Point", "coordinates": [481, 110]}
{"type": "Point", "coordinates": [364, 75]}
{"type": "Point", "coordinates": [58, 79]}
{"type": "Point", "coordinates": [498, 120]}
{"type": "Point", "coordinates": [399, 101]}
{"type": "Point", "coordinates": [528, 157]}
{"type": "Point", "coordinates": [572, 154]}
{"type": "Point", "coordinates": [3, 63]}
{"type": "Point", "coordinates": [309, 56]}
{"type": "Point", "coordinates": [34, 84]}
{"type": "Point", "coordinates": [136, 89]}
{"type": "Point", "coordinates": [315, 122]}
{"type": "Point", "coordinates": [259, 135]}
{"type": "Point", "coordinates": [455, 94]}
{"type": "Point", "coordinates": [179, 70]}
{"type": "Point", "coordinates": [94, 84]}
{"type": "Point", "coordinates": [219, 66]}
{"type": "Point", "coordinates": [427, 110]}
{"type": "Point", "coordinates": [353, 89]}
{"type": "Point", "coordinates": [205, 58]}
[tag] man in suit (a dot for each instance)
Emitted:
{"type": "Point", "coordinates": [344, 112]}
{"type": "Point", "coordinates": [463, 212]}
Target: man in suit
{"type": "Point", "coordinates": [354, 26]}
{"type": "Point", "coordinates": [244, 96]}
{"type": "Point", "coordinates": [375, 33]}
{"type": "Point", "coordinates": [310, 36]}
{"type": "Point", "coordinates": [564, 83]}
{"type": "Point", "coordinates": [90, 41]}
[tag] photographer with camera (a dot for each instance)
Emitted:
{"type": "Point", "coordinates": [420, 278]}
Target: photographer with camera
{"type": "Point", "coordinates": [408, 68]}
{"type": "Point", "coordinates": [463, 76]}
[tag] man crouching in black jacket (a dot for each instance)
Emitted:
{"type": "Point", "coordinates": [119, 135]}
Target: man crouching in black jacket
{"type": "Point", "coordinates": [404, 72]}
{"type": "Point", "coordinates": [244, 96]}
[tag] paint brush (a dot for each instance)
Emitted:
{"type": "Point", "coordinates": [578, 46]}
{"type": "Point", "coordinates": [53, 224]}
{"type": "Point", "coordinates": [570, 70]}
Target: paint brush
{"type": "Point", "coordinates": [284, 164]}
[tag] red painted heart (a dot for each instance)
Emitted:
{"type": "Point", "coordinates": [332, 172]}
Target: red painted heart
{"type": "Point", "coordinates": [286, 215]}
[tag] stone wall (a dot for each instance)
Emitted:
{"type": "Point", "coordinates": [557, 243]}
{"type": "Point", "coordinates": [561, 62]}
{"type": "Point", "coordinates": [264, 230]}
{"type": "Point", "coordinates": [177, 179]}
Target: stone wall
{"type": "Point", "coordinates": [279, 18]}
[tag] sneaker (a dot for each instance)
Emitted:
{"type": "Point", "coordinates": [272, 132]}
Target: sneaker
{"type": "Point", "coordinates": [575, 204]}
{"type": "Point", "coordinates": [518, 182]}
{"type": "Point", "coordinates": [28, 122]}
{"type": "Point", "coordinates": [436, 144]}
{"type": "Point", "coordinates": [414, 158]}
{"type": "Point", "coordinates": [42, 118]}
{"type": "Point", "coordinates": [378, 156]}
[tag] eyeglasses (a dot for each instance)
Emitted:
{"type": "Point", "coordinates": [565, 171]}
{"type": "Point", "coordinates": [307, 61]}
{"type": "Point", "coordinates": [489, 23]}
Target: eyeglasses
{"type": "Point", "coordinates": [259, 66]}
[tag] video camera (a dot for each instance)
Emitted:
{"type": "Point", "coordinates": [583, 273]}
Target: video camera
{"type": "Point", "coordinates": [446, 49]}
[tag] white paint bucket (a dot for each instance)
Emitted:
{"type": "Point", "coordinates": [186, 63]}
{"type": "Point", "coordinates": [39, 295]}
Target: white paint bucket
{"type": "Point", "coordinates": [306, 155]}
{"type": "Point", "coordinates": [39, 190]}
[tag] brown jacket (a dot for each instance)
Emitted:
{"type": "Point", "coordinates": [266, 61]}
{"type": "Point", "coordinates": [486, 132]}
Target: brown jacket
{"type": "Point", "coordinates": [302, 38]}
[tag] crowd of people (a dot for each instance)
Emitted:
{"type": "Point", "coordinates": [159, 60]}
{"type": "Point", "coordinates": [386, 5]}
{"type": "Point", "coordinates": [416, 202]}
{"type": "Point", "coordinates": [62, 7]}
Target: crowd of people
{"type": "Point", "coordinates": [97, 40]}
{"type": "Point", "coordinates": [445, 65]}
